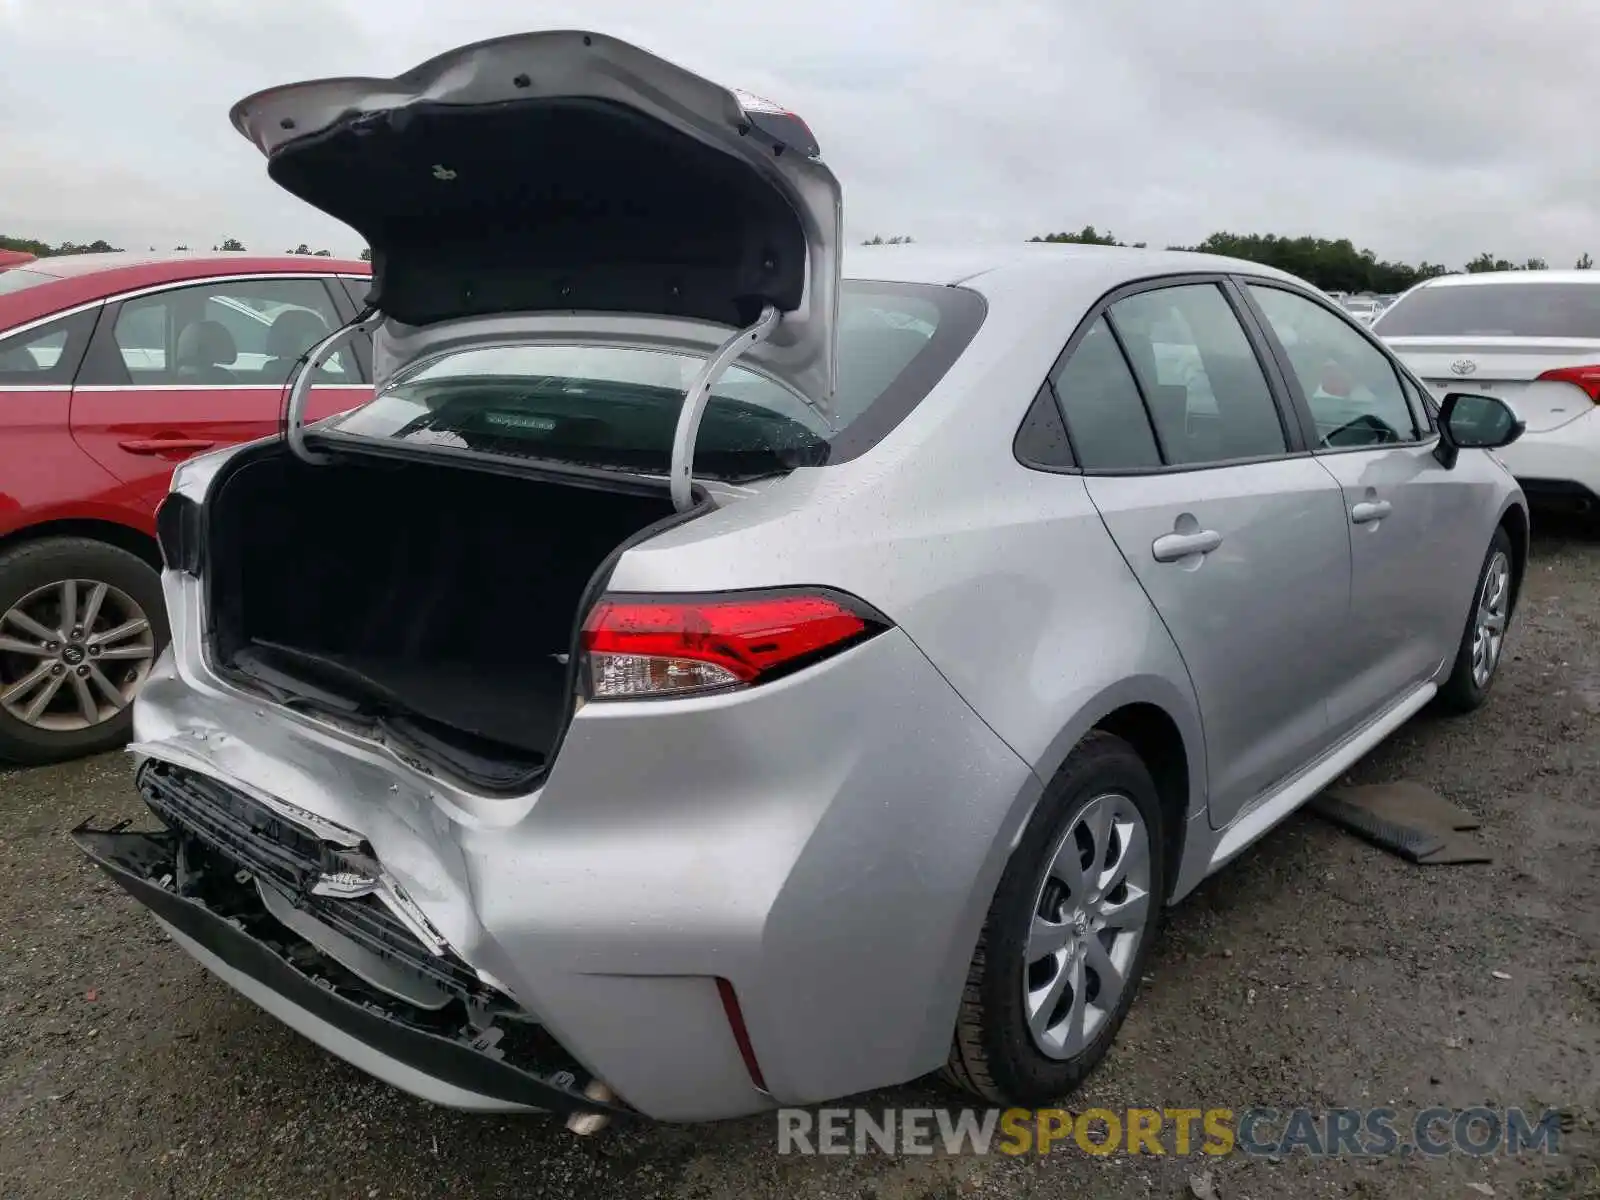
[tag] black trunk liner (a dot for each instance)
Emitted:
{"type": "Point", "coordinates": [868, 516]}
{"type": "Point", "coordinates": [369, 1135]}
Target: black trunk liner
{"type": "Point", "coordinates": [517, 703]}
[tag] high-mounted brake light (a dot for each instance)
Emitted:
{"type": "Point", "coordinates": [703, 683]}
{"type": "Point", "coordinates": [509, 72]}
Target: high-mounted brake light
{"type": "Point", "coordinates": [778, 123]}
{"type": "Point", "coordinates": [640, 647]}
{"type": "Point", "coordinates": [1587, 378]}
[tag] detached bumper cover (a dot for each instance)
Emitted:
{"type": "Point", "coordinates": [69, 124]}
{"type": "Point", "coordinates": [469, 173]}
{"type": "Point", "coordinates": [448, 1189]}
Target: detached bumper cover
{"type": "Point", "coordinates": [146, 865]}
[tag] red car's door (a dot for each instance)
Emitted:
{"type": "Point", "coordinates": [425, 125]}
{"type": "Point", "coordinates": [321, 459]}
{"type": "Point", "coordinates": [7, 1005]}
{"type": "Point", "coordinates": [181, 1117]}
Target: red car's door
{"type": "Point", "coordinates": [42, 473]}
{"type": "Point", "coordinates": [176, 371]}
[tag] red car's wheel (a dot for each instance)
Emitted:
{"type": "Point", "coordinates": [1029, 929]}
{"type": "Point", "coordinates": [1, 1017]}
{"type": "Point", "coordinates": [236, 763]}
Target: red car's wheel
{"type": "Point", "coordinates": [81, 623]}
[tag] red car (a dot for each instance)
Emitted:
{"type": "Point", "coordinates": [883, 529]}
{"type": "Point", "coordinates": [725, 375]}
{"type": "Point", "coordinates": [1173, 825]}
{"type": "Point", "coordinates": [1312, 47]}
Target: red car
{"type": "Point", "coordinates": [113, 368]}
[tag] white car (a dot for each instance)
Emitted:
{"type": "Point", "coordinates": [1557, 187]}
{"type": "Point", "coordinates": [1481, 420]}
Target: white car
{"type": "Point", "coordinates": [1529, 337]}
{"type": "Point", "coordinates": [1362, 308]}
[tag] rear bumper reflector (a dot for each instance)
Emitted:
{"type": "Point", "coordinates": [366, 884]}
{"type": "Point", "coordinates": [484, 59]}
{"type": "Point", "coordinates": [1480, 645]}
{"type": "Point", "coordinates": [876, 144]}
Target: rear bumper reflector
{"type": "Point", "coordinates": [741, 1035]}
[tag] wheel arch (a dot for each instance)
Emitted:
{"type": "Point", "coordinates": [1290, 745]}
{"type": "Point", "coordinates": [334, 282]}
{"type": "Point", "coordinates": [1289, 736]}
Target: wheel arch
{"type": "Point", "coordinates": [1157, 740]}
{"type": "Point", "coordinates": [123, 537]}
{"type": "Point", "coordinates": [1515, 522]}
{"type": "Point", "coordinates": [1159, 717]}
{"type": "Point", "coordinates": [1140, 704]}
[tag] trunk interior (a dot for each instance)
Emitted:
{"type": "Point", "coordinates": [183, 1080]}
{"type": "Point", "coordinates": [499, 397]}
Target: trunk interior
{"type": "Point", "coordinates": [437, 599]}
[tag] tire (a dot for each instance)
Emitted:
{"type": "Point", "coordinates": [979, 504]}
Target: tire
{"type": "Point", "coordinates": [32, 581]}
{"type": "Point", "coordinates": [994, 1053]}
{"type": "Point", "coordinates": [1467, 688]}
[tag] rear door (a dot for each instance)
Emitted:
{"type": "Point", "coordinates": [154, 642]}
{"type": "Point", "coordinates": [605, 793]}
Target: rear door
{"type": "Point", "coordinates": [1410, 549]}
{"type": "Point", "coordinates": [41, 470]}
{"type": "Point", "coordinates": [180, 370]}
{"type": "Point", "coordinates": [1237, 536]}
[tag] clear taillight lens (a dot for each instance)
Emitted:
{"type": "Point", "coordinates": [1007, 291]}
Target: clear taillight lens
{"type": "Point", "coordinates": [642, 647]}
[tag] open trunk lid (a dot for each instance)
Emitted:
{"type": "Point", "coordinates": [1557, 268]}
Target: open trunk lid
{"type": "Point", "coordinates": [569, 187]}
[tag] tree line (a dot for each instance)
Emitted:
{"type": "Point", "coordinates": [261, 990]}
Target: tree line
{"type": "Point", "coordinates": [45, 250]}
{"type": "Point", "coordinates": [1334, 265]}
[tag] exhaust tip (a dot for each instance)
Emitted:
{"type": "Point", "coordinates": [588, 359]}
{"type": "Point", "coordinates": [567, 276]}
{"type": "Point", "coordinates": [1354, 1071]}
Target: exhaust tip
{"type": "Point", "coordinates": [586, 1123]}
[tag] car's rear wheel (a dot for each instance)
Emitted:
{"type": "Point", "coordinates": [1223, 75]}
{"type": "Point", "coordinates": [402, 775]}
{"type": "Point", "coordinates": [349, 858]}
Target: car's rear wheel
{"type": "Point", "coordinates": [81, 623]}
{"type": "Point", "coordinates": [1067, 934]}
{"type": "Point", "coordinates": [1483, 640]}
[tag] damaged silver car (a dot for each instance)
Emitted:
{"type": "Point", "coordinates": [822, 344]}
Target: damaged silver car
{"type": "Point", "coordinates": [706, 678]}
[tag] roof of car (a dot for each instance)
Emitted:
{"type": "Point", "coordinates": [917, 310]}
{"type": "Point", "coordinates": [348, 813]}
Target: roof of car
{"type": "Point", "coordinates": [1066, 272]}
{"type": "Point", "coordinates": [1034, 263]}
{"type": "Point", "coordinates": [78, 279]}
{"type": "Point", "coordinates": [1489, 278]}
{"type": "Point", "coordinates": [66, 266]}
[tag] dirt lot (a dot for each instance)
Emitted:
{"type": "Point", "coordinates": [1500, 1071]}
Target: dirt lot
{"type": "Point", "coordinates": [1315, 971]}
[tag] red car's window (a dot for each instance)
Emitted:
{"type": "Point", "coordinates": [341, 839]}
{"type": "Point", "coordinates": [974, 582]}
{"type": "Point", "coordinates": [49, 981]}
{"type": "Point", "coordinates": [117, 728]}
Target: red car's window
{"type": "Point", "coordinates": [46, 355]}
{"type": "Point", "coordinates": [240, 332]}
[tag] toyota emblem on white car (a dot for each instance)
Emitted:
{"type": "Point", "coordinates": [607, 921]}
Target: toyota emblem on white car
{"type": "Point", "coordinates": [1463, 366]}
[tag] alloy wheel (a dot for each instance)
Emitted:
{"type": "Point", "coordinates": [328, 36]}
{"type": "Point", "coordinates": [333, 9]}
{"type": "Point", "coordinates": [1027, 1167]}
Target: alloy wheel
{"type": "Point", "coordinates": [1489, 620]}
{"type": "Point", "coordinates": [72, 655]}
{"type": "Point", "coordinates": [1087, 922]}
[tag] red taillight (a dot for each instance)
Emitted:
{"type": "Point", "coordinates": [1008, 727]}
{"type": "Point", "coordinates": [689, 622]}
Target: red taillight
{"type": "Point", "coordinates": [1587, 378]}
{"type": "Point", "coordinates": [636, 647]}
{"type": "Point", "coordinates": [778, 123]}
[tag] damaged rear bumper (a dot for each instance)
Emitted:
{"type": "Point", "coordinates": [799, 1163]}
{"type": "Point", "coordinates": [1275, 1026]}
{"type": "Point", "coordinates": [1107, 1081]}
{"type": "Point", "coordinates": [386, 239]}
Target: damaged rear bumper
{"type": "Point", "coordinates": [449, 1043]}
{"type": "Point", "coordinates": [676, 853]}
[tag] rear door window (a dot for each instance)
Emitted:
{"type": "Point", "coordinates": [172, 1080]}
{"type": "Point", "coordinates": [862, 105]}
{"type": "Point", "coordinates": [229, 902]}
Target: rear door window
{"type": "Point", "coordinates": [46, 355]}
{"type": "Point", "coordinates": [241, 332]}
{"type": "Point", "coordinates": [618, 407]}
{"type": "Point", "coordinates": [1207, 395]}
{"type": "Point", "coordinates": [1105, 415]}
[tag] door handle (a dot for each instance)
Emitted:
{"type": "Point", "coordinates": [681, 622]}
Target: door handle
{"type": "Point", "coordinates": [159, 445]}
{"type": "Point", "coordinates": [1171, 547]}
{"type": "Point", "coordinates": [1369, 510]}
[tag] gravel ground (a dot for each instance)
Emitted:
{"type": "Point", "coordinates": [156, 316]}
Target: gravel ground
{"type": "Point", "coordinates": [1314, 971]}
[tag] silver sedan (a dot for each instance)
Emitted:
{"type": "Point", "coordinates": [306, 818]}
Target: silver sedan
{"type": "Point", "coordinates": [714, 674]}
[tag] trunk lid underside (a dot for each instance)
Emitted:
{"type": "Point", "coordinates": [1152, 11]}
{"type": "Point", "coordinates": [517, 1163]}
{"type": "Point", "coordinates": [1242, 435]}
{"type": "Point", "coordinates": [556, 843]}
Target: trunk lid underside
{"type": "Point", "coordinates": [569, 173]}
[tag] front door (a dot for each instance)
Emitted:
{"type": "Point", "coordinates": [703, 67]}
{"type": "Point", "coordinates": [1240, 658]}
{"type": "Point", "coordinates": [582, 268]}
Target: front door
{"type": "Point", "coordinates": [1239, 544]}
{"type": "Point", "coordinates": [195, 367]}
{"type": "Point", "coordinates": [1401, 505]}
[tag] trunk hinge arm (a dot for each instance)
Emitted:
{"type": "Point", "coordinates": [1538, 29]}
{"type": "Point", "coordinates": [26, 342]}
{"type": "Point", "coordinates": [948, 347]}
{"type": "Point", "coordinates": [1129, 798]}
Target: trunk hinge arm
{"type": "Point", "coordinates": [295, 411]}
{"type": "Point", "coordinates": [699, 395]}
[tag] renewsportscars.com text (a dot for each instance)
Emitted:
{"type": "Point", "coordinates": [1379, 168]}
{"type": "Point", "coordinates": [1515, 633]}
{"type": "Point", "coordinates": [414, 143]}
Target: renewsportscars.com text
{"type": "Point", "coordinates": [1335, 1132]}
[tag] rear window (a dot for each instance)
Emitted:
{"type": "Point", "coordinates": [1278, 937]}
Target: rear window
{"type": "Point", "coordinates": [1552, 310]}
{"type": "Point", "coordinates": [16, 279]}
{"type": "Point", "coordinates": [617, 408]}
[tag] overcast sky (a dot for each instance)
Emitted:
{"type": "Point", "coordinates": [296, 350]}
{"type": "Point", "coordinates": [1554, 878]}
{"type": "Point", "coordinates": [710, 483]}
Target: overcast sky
{"type": "Point", "coordinates": [1420, 128]}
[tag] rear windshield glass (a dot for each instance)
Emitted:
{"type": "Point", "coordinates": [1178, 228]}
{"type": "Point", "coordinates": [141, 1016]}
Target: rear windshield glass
{"type": "Point", "coordinates": [16, 279]}
{"type": "Point", "coordinates": [617, 408]}
{"type": "Point", "coordinates": [1553, 310]}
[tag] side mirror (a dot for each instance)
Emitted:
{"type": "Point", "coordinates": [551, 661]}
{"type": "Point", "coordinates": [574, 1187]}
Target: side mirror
{"type": "Point", "coordinates": [1472, 422]}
